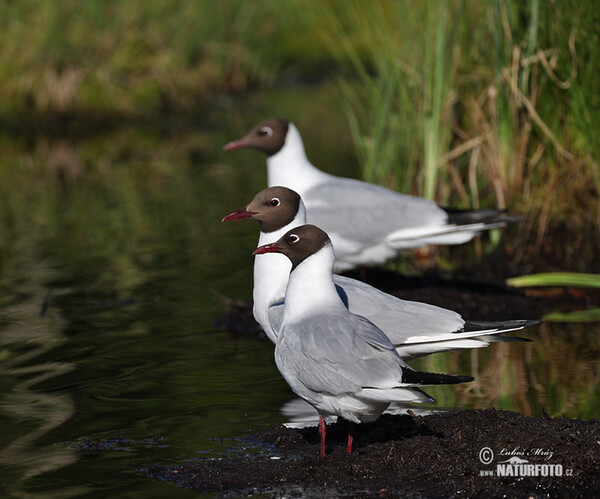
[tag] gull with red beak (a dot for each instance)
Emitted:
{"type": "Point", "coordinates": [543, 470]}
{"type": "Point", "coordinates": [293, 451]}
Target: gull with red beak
{"type": "Point", "coordinates": [367, 224]}
{"type": "Point", "coordinates": [340, 363]}
{"type": "Point", "coordinates": [414, 328]}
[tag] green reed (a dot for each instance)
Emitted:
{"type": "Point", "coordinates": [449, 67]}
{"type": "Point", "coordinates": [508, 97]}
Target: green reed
{"type": "Point", "coordinates": [475, 103]}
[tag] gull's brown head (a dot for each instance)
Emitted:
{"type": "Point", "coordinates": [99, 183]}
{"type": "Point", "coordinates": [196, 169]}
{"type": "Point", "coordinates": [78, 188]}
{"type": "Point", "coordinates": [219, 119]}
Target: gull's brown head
{"type": "Point", "coordinates": [274, 208]}
{"type": "Point", "coordinates": [268, 136]}
{"type": "Point", "coordinates": [297, 244]}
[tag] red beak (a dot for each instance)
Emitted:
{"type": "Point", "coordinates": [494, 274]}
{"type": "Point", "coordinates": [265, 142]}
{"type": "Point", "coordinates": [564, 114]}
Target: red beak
{"type": "Point", "coordinates": [236, 144]}
{"type": "Point", "coordinates": [267, 248]}
{"type": "Point", "coordinates": [236, 215]}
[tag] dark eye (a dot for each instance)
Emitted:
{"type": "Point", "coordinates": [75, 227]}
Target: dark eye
{"type": "Point", "coordinates": [265, 131]}
{"type": "Point", "coordinates": [293, 238]}
{"type": "Point", "coordinates": [275, 202]}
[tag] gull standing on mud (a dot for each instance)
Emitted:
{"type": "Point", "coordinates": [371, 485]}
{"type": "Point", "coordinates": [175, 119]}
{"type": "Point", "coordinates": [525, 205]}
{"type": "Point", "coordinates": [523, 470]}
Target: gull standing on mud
{"type": "Point", "coordinates": [414, 328]}
{"type": "Point", "coordinates": [367, 224]}
{"type": "Point", "coordinates": [339, 362]}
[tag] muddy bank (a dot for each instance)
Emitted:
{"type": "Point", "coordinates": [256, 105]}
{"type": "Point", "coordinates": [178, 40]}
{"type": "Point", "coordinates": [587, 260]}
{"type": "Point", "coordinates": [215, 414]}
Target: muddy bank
{"type": "Point", "coordinates": [403, 456]}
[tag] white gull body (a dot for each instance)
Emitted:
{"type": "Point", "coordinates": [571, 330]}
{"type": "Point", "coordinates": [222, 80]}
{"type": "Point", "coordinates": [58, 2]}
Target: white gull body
{"type": "Point", "coordinates": [339, 362]}
{"type": "Point", "coordinates": [367, 224]}
{"type": "Point", "coordinates": [414, 328]}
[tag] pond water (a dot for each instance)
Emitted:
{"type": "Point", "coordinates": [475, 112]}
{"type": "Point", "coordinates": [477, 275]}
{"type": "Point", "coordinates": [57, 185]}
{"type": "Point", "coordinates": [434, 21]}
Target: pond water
{"type": "Point", "coordinates": [113, 268]}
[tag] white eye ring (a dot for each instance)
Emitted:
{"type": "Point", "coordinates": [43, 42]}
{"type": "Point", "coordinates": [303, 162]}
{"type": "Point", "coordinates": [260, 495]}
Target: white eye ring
{"type": "Point", "coordinates": [275, 202]}
{"type": "Point", "coordinates": [268, 131]}
{"type": "Point", "coordinates": [294, 238]}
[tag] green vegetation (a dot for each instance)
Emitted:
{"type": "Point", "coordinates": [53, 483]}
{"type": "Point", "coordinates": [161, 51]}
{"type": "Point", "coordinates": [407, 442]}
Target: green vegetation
{"type": "Point", "coordinates": [475, 103]}
{"type": "Point", "coordinates": [588, 315]}
{"type": "Point", "coordinates": [467, 102]}
{"type": "Point", "coordinates": [563, 279]}
{"type": "Point", "coordinates": [557, 279]}
{"type": "Point", "coordinates": [129, 57]}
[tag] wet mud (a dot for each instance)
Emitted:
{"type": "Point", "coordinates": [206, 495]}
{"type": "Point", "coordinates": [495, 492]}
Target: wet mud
{"type": "Point", "coordinates": [438, 455]}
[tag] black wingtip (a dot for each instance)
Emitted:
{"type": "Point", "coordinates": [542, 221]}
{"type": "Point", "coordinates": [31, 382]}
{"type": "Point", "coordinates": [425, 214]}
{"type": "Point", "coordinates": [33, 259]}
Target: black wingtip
{"type": "Point", "coordinates": [486, 216]}
{"type": "Point", "coordinates": [534, 323]}
{"type": "Point", "coordinates": [500, 326]}
{"type": "Point", "coordinates": [500, 338]}
{"type": "Point", "coordinates": [413, 377]}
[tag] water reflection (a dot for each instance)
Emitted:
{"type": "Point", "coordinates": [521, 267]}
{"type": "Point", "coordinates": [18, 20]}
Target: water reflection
{"type": "Point", "coordinates": [556, 373]}
{"type": "Point", "coordinates": [31, 335]}
{"type": "Point", "coordinates": [300, 414]}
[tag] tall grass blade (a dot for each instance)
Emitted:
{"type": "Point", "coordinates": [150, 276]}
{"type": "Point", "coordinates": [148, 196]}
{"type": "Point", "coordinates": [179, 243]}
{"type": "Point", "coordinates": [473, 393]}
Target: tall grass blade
{"type": "Point", "coordinates": [436, 88]}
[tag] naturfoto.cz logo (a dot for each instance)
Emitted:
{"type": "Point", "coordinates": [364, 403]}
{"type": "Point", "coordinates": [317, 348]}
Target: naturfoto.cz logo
{"type": "Point", "coordinates": [518, 464]}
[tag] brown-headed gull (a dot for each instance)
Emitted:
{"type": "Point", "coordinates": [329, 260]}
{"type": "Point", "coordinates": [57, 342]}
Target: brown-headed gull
{"type": "Point", "coordinates": [339, 362]}
{"type": "Point", "coordinates": [414, 328]}
{"type": "Point", "coordinates": [367, 224]}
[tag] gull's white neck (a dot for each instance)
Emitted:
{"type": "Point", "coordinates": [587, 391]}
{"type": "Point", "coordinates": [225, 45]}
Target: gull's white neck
{"type": "Point", "coordinates": [311, 289]}
{"type": "Point", "coordinates": [271, 273]}
{"type": "Point", "coordinates": [291, 168]}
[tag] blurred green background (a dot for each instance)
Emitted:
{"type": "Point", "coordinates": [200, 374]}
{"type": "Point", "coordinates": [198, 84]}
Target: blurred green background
{"type": "Point", "coordinates": [467, 102]}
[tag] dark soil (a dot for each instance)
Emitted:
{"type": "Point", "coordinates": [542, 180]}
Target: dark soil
{"type": "Point", "coordinates": [404, 456]}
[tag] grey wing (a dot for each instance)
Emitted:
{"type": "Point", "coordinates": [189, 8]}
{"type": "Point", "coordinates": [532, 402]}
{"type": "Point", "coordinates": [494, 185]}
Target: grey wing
{"type": "Point", "coordinates": [339, 354]}
{"type": "Point", "coordinates": [371, 212]}
{"type": "Point", "coordinates": [276, 316]}
{"type": "Point", "coordinates": [401, 320]}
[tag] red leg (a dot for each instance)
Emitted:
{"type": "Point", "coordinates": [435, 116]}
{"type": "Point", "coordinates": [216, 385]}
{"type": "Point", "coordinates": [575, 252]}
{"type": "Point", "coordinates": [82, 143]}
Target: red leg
{"type": "Point", "coordinates": [322, 430]}
{"type": "Point", "coordinates": [350, 435]}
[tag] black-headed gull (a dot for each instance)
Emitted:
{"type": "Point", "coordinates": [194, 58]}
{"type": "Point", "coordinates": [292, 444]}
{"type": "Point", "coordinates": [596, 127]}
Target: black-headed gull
{"type": "Point", "coordinates": [367, 224]}
{"type": "Point", "coordinates": [340, 363]}
{"type": "Point", "coordinates": [414, 328]}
